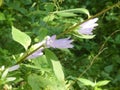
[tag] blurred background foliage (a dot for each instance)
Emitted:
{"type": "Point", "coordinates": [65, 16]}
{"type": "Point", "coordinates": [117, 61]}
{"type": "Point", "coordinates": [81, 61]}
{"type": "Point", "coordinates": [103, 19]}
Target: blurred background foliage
{"type": "Point", "coordinates": [38, 18]}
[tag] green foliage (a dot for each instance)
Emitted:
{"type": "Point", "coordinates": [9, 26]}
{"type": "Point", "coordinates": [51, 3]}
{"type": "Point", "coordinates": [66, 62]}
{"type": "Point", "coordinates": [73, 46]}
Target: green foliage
{"type": "Point", "coordinates": [4, 76]}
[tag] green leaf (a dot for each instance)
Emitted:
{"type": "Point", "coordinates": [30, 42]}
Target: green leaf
{"type": "Point", "coordinates": [109, 68]}
{"type": "Point", "coordinates": [66, 14]}
{"type": "Point", "coordinates": [42, 64]}
{"type": "Point", "coordinates": [117, 39]}
{"type": "Point", "coordinates": [72, 11]}
{"type": "Point", "coordinates": [26, 2]}
{"type": "Point", "coordinates": [50, 56]}
{"type": "Point", "coordinates": [42, 33]}
{"type": "Point", "coordinates": [49, 18]}
{"type": "Point", "coordinates": [10, 79]}
{"type": "Point", "coordinates": [45, 82]}
{"type": "Point", "coordinates": [57, 68]}
{"type": "Point", "coordinates": [96, 88]}
{"type": "Point", "coordinates": [40, 61]}
{"type": "Point", "coordinates": [80, 10]}
{"type": "Point", "coordinates": [4, 74]}
{"type": "Point", "coordinates": [21, 37]}
{"type": "Point", "coordinates": [49, 7]}
{"type": "Point", "coordinates": [34, 82]}
{"type": "Point", "coordinates": [2, 16]}
{"type": "Point", "coordinates": [102, 83]}
{"type": "Point", "coordinates": [84, 36]}
{"type": "Point", "coordinates": [1, 2]}
{"type": "Point", "coordinates": [86, 82]}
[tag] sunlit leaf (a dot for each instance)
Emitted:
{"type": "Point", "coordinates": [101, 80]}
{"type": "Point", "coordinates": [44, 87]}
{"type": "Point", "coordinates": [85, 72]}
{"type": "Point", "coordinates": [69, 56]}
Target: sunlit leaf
{"type": "Point", "coordinates": [102, 83]}
{"type": "Point", "coordinates": [21, 37]}
{"type": "Point", "coordinates": [86, 82]}
{"type": "Point", "coordinates": [10, 79]}
{"type": "Point", "coordinates": [57, 68]}
{"type": "Point", "coordinates": [4, 74]}
{"type": "Point", "coordinates": [1, 2]}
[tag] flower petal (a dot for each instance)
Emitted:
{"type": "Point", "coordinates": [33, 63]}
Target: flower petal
{"type": "Point", "coordinates": [60, 43]}
{"type": "Point", "coordinates": [88, 27]}
{"type": "Point", "coordinates": [36, 53]}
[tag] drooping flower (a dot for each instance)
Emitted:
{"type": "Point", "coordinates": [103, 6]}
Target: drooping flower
{"type": "Point", "coordinates": [87, 27]}
{"type": "Point", "coordinates": [50, 42]}
{"type": "Point", "coordinates": [60, 43]}
{"type": "Point", "coordinates": [13, 68]}
{"type": "Point", "coordinates": [36, 53]}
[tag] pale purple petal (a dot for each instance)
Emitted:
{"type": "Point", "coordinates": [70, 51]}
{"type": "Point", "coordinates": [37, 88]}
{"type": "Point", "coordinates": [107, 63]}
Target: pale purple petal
{"type": "Point", "coordinates": [36, 53]}
{"type": "Point", "coordinates": [88, 27]}
{"type": "Point", "coordinates": [13, 68]}
{"type": "Point", "coordinates": [60, 43]}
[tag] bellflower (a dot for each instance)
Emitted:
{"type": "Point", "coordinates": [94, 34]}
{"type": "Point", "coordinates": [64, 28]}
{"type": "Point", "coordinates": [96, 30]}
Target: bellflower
{"type": "Point", "coordinates": [60, 43]}
{"type": "Point", "coordinates": [88, 26]}
{"type": "Point", "coordinates": [36, 53]}
{"type": "Point", "coordinates": [50, 42]}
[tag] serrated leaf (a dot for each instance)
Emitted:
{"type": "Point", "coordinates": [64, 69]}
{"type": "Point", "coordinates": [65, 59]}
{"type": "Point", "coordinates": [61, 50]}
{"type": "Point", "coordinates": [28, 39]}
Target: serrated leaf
{"type": "Point", "coordinates": [85, 36]}
{"type": "Point", "coordinates": [21, 37]}
{"type": "Point", "coordinates": [86, 82]}
{"type": "Point", "coordinates": [102, 83]}
{"type": "Point", "coordinates": [57, 68]}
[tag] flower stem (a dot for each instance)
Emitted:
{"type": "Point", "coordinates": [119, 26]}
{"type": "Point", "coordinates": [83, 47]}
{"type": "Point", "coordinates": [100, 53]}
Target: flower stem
{"type": "Point", "coordinates": [27, 53]}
